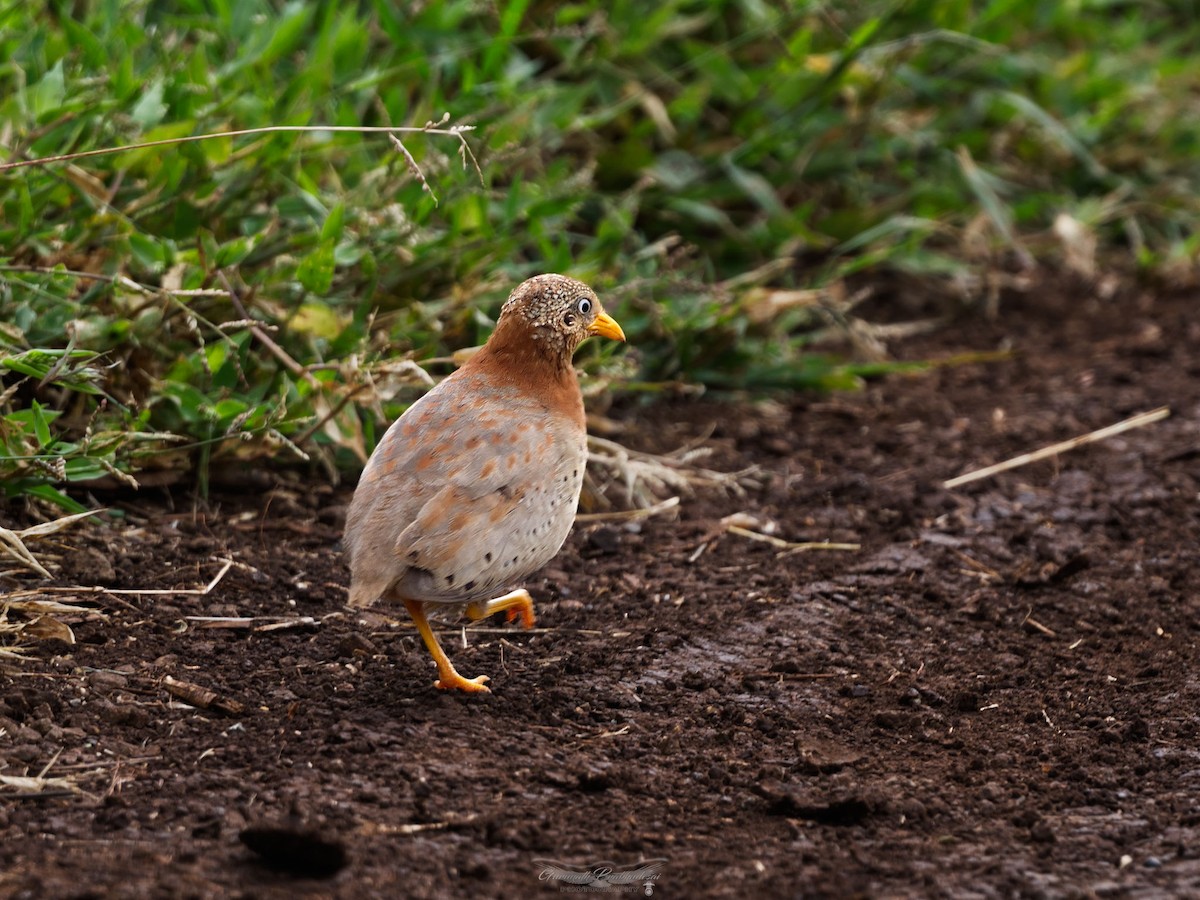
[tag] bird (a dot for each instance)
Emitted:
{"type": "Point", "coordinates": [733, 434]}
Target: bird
{"type": "Point", "coordinates": [475, 487]}
{"type": "Point", "coordinates": [602, 874]}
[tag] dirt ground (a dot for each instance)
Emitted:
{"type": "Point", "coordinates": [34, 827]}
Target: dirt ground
{"type": "Point", "coordinates": [998, 695]}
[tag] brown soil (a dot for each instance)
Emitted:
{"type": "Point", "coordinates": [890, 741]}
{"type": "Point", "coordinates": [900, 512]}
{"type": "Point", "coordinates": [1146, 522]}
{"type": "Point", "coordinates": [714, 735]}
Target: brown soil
{"type": "Point", "coordinates": [997, 696]}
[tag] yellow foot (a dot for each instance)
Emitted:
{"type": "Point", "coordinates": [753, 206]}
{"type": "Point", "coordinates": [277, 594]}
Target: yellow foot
{"type": "Point", "coordinates": [452, 681]}
{"type": "Point", "coordinates": [518, 603]}
{"type": "Point", "coordinates": [448, 679]}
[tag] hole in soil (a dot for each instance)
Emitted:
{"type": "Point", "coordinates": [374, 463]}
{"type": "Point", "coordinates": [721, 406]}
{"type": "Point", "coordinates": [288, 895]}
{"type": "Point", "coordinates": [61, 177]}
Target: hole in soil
{"type": "Point", "coordinates": [299, 853]}
{"type": "Point", "coordinates": [788, 800]}
{"type": "Point", "coordinates": [840, 813]}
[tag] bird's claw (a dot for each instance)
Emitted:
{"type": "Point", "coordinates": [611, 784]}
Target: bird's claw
{"type": "Point", "coordinates": [452, 681]}
{"type": "Point", "coordinates": [524, 612]}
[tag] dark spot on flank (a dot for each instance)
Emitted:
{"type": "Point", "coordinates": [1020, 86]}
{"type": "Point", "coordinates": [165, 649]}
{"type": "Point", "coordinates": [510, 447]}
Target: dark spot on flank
{"type": "Point", "coordinates": [449, 579]}
{"type": "Point", "coordinates": [488, 556]}
{"type": "Point", "coordinates": [469, 586]}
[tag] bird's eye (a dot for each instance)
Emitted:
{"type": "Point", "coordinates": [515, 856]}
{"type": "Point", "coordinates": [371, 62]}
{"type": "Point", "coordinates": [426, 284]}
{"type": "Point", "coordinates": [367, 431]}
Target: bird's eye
{"type": "Point", "coordinates": [569, 320]}
{"type": "Point", "coordinates": [584, 305]}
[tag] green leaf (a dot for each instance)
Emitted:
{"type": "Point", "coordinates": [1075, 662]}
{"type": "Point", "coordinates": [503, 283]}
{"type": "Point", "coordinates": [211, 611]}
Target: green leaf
{"type": "Point", "coordinates": [316, 269]}
{"type": "Point", "coordinates": [48, 94]}
{"type": "Point", "coordinates": [233, 252]}
{"type": "Point", "coordinates": [893, 227]}
{"type": "Point", "coordinates": [149, 253]}
{"type": "Point", "coordinates": [501, 45]}
{"type": "Point", "coordinates": [332, 229]}
{"type": "Point", "coordinates": [54, 495]}
{"type": "Point", "coordinates": [318, 320]}
{"type": "Point", "coordinates": [41, 426]}
{"type": "Point", "coordinates": [288, 31]}
{"type": "Point", "coordinates": [756, 187]}
{"type": "Point", "coordinates": [150, 109]}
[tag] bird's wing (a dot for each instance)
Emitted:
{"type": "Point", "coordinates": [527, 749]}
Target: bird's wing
{"type": "Point", "coordinates": [450, 549]}
{"type": "Point", "coordinates": [646, 871]}
{"type": "Point", "coordinates": [552, 870]}
{"type": "Point", "coordinates": [436, 486]}
{"type": "Point", "coordinates": [500, 499]}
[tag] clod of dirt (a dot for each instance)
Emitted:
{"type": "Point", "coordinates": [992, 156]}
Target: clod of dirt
{"type": "Point", "coordinates": [356, 645]}
{"type": "Point", "coordinates": [603, 541]}
{"type": "Point", "coordinates": [1052, 571]}
{"type": "Point", "coordinates": [296, 851]}
{"type": "Point", "coordinates": [824, 757]}
{"type": "Point", "coordinates": [1040, 832]}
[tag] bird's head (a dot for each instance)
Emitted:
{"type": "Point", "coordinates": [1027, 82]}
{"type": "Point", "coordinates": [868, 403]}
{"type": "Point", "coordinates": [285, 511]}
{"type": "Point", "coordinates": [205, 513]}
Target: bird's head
{"type": "Point", "coordinates": [552, 315]}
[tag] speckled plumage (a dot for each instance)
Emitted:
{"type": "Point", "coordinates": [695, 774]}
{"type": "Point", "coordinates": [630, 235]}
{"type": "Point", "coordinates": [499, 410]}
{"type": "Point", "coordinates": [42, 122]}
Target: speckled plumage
{"type": "Point", "coordinates": [474, 488]}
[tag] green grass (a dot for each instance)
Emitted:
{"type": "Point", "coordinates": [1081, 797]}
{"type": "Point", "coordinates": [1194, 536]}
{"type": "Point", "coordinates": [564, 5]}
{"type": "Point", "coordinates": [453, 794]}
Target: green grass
{"type": "Point", "coordinates": [681, 156]}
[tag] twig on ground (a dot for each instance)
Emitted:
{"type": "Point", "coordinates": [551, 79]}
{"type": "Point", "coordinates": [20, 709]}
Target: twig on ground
{"type": "Point", "coordinates": [789, 547]}
{"type": "Point", "coordinates": [794, 676]}
{"type": "Point", "coordinates": [41, 785]}
{"type": "Point", "coordinates": [374, 828]}
{"type": "Point", "coordinates": [1038, 626]}
{"type": "Point", "coordinates": [629, 515]}
{"type": "Point", "coordinates": [805, 546]}
{"type": "Point", "coordinates": [193, 592]}
{"type": "Point", "coordinates": [201, 697]}
{"type": "Point", "coordinates": [35, 785]}
{"type": "Point", "coordinates": [1137, 421]}
{"type": "Point", "coordinates": [511, 630]}
{"type": "Point", "coordinates": [254, 623]}
{"type": "Point", "coordinates": [977, 569]}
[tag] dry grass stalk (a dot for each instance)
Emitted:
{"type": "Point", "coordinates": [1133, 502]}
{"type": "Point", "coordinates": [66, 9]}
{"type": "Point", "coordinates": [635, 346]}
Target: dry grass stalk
{"type": "Point", "coordinates": [1132, 422]}
{"type": "Point", "coordinates": [455, 131]}
{"type": "Point", "coordinates": [13, 542]}
{"type": "Point", "coordinates": [642, 475]}
{"type": "Point", "coordinates": [787, 548]}
{"type": "Point", "coordinates": [157, 592]}
{"type": "Point", "coordinates": [36, 784]}
{"type": "Point", "coordinates": [41, 784]}
{"type": "Point", "coordinates": [253, 623]}
{"type": "Point", "coordinates": [1038, 626]}
{"type": "Point", "coordinates": [628, 515]}
{"type": "Point", "coordinates": [40, 620]}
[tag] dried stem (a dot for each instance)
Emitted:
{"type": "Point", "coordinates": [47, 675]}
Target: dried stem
{"type": "Point", "coordinates": [1061, 447]}
{"type": "Point", "coordinates": [455, 131]}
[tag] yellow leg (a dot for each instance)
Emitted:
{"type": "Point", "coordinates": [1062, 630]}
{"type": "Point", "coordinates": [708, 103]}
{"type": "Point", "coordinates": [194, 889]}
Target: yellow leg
{"type": "Point", "coordinates": [448, 678]}
{"type": "Point", "coordinates": [518, 603]}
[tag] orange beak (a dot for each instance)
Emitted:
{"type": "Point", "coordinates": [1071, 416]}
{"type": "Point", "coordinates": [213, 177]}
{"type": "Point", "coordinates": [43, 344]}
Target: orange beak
{"type": "Point", "coordinates": [606, 326]}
